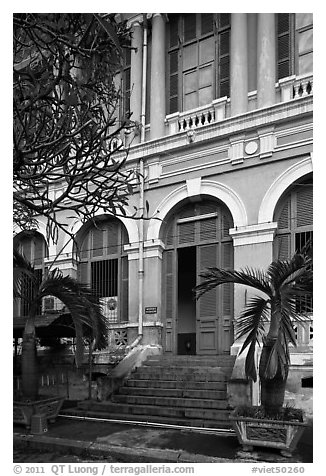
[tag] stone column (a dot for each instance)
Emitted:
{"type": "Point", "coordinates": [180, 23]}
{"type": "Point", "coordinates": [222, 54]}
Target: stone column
{"type": "Point", "coordinates": [239, 63]}
{"type": "Point", "coordinates": [266, 59]}
{"type": "Point", "coordinates": [157, 106]}
{"type": "Point", "coordinates": [136, 75]}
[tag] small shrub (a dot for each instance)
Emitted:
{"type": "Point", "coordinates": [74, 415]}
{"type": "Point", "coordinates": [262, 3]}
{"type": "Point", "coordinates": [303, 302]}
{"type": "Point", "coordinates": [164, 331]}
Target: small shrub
{"type": "Point", "coordinates": [287, 413]}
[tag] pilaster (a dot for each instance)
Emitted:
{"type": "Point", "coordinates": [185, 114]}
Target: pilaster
{"type": "Point", "coordinates": [266, 59]}
{"type": "Point", "coordinates": [157, 104]}
{"type": "Point", "coordinates": [239, 64]}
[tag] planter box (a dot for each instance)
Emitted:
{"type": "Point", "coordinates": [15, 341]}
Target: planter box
{"type": "Point", "coordinates": [283, 435]}
{"type": "Point", "coordinates": [49, 407]}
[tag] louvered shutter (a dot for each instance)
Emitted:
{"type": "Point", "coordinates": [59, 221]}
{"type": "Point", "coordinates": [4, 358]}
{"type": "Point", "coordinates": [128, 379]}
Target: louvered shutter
{"type": "Point", "coordinates": [97, 241]}
{"type": "Point", "coordinates": [173, 30]}
{"type": "Point", "coordinates": [283, 246]}
{"type": "Point", "coordinates": [169, 300]}
{"type": "Point", "coordinates": [224, 63]}
{"type": "Point", "coordinates": [82, 273]}
{"type": "Point", "coordinates": [283, 45]}
{"type": "Point", "coordinates": [284, 220]}
{"type": "Point", "coordinates": [208, 229]}
{"type": "Point", "coordinates": [186, 232]}
{"type": "Point", "coordinates": [112, 237]}
{"type": "Point", "coordinates": [189, 26]}
{"type": "Point", "coordinates": [225, 325]}
{"type": "Point", "coordinates": [173, 81]}
{"type": "Point", "coordinates": [38, 251]}
{"type": "Point", "coordinates": [304, 206]}
{"type": "Point", "coordinates": [124, 293]}
{"type": "Point", "coordinates": [207, 320]}
{"type": "Point", "coordinates": [206, 23]}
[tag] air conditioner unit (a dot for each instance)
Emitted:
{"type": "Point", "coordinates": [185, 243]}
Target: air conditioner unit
{"type": "Point", "coordinates": [110, 308]}
{"type": "Point", "coordinates": [48, 304]}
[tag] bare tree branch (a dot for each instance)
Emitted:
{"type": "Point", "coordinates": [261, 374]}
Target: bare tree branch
{"type": "Point", "coordinates": [65, 107]}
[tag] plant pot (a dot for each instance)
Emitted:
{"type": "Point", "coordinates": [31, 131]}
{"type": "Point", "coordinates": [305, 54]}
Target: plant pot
{"type": "Point", "coordinates": [283, 435]}
{"type": "Point", "coordinates": [48, 406]}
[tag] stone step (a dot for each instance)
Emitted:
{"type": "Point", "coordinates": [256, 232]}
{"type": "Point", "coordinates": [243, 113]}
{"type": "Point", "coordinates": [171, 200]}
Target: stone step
{"type": "Point", "coordinates": [198, 423]}
{"type": "Point", "coordinates": [147, 373]}
{"type": "Point", "coordinates": [171, 402]}
{"type": "Point", "coordinates": [173, 392]}
{"type": "Point", "coordinates": [145, 411]}
{"type": "Point", "coordinates": [200, 360]}
{"type": "Point", "coordinates": [159, 365]}
{"type": "Point", "coordinates": [175, 384]}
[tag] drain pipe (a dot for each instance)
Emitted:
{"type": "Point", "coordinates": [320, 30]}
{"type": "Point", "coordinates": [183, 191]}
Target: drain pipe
{"type": "Point", "coordinates": [141, 194]}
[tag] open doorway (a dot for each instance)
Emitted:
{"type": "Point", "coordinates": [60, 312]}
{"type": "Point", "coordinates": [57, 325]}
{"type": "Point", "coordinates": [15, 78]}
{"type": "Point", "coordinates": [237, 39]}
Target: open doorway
{"type": "Point", "coordinates": [186, 328]}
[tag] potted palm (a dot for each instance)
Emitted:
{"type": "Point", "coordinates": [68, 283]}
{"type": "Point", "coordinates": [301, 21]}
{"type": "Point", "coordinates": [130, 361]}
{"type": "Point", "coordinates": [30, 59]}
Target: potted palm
{"type": "Point", "coordinates": [85, 310]}
{"type": "Point", "coordinates": [268, 319]}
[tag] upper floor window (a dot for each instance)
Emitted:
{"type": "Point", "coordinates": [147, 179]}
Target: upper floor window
{"type": "Point", "coordinates": [198, 59]}
{"type": "Point", "coordinates": [294, 44]}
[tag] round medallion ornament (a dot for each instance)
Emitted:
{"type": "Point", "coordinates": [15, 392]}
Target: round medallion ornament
{"type": "Point", "coordinates": [251, 147]}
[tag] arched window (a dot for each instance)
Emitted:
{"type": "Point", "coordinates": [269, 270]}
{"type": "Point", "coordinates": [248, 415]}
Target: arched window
{"type": "Point", "coordinates": [104, 265]}
{"type": "Point", "coordinates": [294, 217]}
{"type": "Point", "coordinates": [33, 246]}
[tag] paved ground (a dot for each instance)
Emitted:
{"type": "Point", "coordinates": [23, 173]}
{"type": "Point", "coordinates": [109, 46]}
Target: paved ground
{"type": "Point", "coordinates": [106, 441]}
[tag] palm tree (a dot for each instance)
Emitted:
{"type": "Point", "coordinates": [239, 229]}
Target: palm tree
{"type": "Point", "coordinates": [84, 308]}
{"type": "Point", "coordinates": [268, 318]}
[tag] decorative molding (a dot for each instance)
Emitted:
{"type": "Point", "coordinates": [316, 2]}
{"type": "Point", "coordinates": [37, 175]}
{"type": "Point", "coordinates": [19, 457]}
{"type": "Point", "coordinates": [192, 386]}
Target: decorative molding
{"type": "Point", "coordinates": [251, 147]}
{"type": "Point", "coordinates": [267, 141]}
{"type": "Point", "coordinates": [278, 187]}
{"type": "Point", "coordinates": [253, 234]}
{"type": "Point", "coordinates": [208, 187]}
{"type": "Point", "coordinates": [194, 187]}
{"type": "Point", "coordinates": [225, 128]}
{"type": "Point", "coordinates": [236, 151]}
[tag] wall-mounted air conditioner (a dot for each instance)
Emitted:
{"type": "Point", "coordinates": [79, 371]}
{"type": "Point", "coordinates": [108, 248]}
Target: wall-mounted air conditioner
{"type": "Point", "coordinates": [110, 308]}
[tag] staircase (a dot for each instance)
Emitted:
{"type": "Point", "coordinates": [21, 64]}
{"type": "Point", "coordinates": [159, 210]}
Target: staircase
{"type": "Point", "coordinates": [178, 390]}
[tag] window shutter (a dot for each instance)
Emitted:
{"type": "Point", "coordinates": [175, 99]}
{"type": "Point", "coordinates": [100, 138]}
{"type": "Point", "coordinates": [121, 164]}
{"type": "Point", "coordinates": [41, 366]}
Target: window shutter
{"type": "Point", "coordinates": [208, 229]}
{"type": "Point", "coordinates": [283, 45]}
{"type": "Point", "coordinates": [112, 238]}
{"type": "Point", "coordinates": [284, 221]}
{"type": "Point", "coordinates": [283, 246]}
{"type": "Point", "coordinates": [169, 282]}
{"type": "Point", "coordinates": [206, 23]}
{"type": "Point", "coordinates": [186, 232]}
{"type": "Point", "coordinates": [208, 256]}
{"type": "Point", "coordinates": [38, 251]}
{"type": "Point", "coordinates": [189, 26]}
{"type": "Point", "coordinates": [173, 81]}
{"type": "Point", "coordinates": [227, 263]}
{"type": "Point", "coordinates": [123, 298]}
{"type": "Point", "coordinates": [97, 241]}
{"type": "Point", "coordinates": [304, 206]}
{"type": "Point", "coordinates": [82, 273]}
{"type": "Point", "coordinates": [224, 63]}
{"type": "Point", "coordinates": [173, 30]}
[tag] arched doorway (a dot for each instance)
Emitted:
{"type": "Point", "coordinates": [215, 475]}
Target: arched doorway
{"type": "Point", "coordinates": [196, 236]}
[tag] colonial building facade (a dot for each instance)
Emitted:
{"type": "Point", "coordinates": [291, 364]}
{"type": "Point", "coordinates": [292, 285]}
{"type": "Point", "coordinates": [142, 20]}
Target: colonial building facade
{"type": "Point", "coordinates": [224, 106]}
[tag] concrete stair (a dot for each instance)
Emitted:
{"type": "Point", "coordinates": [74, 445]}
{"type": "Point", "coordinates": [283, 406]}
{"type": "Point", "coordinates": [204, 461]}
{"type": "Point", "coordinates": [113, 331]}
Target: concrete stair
{"type": "Point", "coordinates": [178, 390]}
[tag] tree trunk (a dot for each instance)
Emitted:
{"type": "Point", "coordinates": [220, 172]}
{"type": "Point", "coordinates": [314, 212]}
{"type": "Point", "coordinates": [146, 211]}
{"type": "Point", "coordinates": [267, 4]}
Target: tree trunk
{"type": "Point", "coordinates": [29, 363]}
{"type": "Point", "coordinates": [272, 389]}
